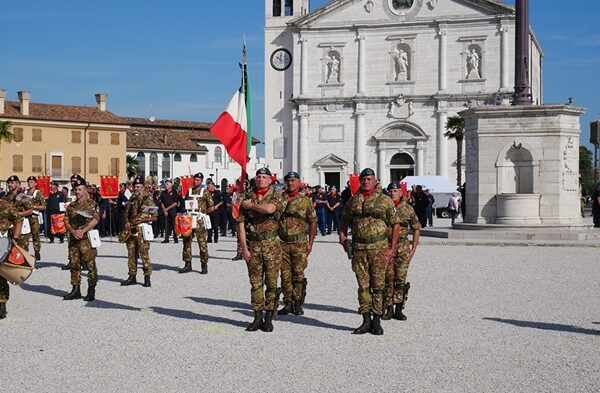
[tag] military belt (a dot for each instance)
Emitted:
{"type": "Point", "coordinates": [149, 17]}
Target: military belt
{"type": "Point", "coordinates": [263, 236]}
{"type": "Point", "coordinates": [293, 239]}
{"type": "Point", "coordinates": [368, 240]}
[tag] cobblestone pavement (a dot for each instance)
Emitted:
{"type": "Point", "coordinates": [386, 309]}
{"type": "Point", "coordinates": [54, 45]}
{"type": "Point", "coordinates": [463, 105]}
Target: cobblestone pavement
{"type": "Point", "coordinates": [480, 319]}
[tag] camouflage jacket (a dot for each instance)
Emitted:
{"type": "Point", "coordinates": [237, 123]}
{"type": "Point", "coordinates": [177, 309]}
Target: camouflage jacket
{"type": "Point", "coordinates": [77, 221]}
{"type": "Point", "coordinates": [137, 203]}
{"type": "Point", "coordinates": [261, 226]}
{"type": "Point", "coordinates": [204, 202]}
{"type": "Point", "coordinates": [9, 216]}
{"type": "Point", "coordinates": [38, 199]}
{"type": "Point", "coordinates": [21, 206]}
{"type": "Point", "coordinates": [407, 218]}
{"type": "Point", "coordinates": [297, 213]}
{"type": "Point", "coordinates": [371, 219]}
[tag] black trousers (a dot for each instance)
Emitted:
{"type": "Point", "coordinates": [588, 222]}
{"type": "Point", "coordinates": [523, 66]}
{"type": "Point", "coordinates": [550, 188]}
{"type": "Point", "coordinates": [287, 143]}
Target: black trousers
{"type": "Point", "coordinates": [170, 225]}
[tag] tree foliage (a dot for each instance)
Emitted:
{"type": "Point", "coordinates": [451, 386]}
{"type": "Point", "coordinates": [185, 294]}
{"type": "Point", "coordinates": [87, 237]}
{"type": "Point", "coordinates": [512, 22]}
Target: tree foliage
{"type": "Point", "coordinates": [455, 129]}
{"type": "Point", "coordinates": [5, 133]}
{"type": "Point", "coordinates": [133, 167]}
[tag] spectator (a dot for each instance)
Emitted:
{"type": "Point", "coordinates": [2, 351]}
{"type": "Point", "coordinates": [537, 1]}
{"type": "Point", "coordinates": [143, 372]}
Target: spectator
{"type": "Point", "coordinates": [453, 207]}
{"type": "Point", "coordinates": [168, 200]}
{"type": "Point", "coordinates": [320, 203]}
{"type": "Point", "coordinates": [334, 210]}
{"type": "Point", "coordinates": [596, 206]}
{"type": "Point", "coordinates": [53, 207]}
{"type": "Point", "coordinates": [158, 226]}
{"type": "Point", "coordinates": [225, 211]}
{"type": "Point", "coordinates": [420, 205]}
{"type": "Point", "coordinates": [430, 207]}
{"type": "Point", "coordinates": [215, 216]}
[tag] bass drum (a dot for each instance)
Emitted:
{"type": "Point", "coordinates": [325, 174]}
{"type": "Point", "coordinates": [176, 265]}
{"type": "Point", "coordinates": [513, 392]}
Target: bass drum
{"type": "Point", "coordinates": [16, 264]}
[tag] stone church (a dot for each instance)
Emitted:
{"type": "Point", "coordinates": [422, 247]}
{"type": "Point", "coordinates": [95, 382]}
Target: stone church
{"type": "Point", "coordinates": [370, 83]}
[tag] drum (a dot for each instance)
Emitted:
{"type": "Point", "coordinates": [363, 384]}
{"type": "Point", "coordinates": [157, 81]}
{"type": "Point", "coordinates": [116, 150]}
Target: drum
{"type": "Point", "coordinates": [16, 264]}
{"type": "Point", "coordinates": [183, 225]}
{"type": "Point", "coordinates": [57, 223]}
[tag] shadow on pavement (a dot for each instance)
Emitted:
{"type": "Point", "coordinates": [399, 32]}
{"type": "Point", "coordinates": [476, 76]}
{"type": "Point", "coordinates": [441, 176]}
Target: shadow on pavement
{"type": "Point", "coordinates": [110, 278]}
{"type": "Point", "coordinates": [547, 326]}
{"type": "Point", "coordinates": [300, 320]}
{"type": "Point", "coordinates": [199, 317]}
{"type": "Point", "coordinates": [159, 266]}
{"type": "Point", "coordinates": [109, 305]}
{"type": "Point", "coordinates": [219, 302]}
{"type": "Point", "coordinates": [221, 258]}
{"type": "Point", "coordinates": [324, 307]}
{"type": "Point", "coordinates": [113, 256]}
{"type": "Point", "coordinates": [43, 264]}
{"type": "Point", "coordinates": [43, 289]}
{"type": "Point", "coordinates": [596, 323]}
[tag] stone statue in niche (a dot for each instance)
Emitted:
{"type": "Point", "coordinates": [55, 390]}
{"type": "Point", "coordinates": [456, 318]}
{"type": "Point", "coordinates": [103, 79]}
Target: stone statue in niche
{"type": "Point", "coordinates": [400, 109]}
{"type": "Point", "coordinates": [401, 65]}
{"type": "Point", "coordinates": [473, 61]}
{"type": "Point", "coordinates": [333, 69]}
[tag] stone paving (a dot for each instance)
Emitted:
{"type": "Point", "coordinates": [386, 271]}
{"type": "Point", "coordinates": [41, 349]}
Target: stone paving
{"type": "Point", "coordinates": [480, 319]}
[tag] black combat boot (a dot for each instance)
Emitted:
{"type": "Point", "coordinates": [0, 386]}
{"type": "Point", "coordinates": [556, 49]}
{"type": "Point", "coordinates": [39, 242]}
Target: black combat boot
{"type": "Point", "coordinates": [147, 282]}
{"type": "Point", "coordinates": [287, 309]}
{"type": "Point", "coordinates": [204, 268]}
{"type": "Point", "coordinates": [67, 266]}
{"type": "Point", "coordinates": [74, 294]}
{"type": "Point", "coordinates": [130, 281]}
{"type": "Point", "coordinates": [398, 313]}
{"type": "Point", "coordinates": [91, 294]}
{"type": "Point", "coordinates": [187, 268]}
{"type": "Point", "coordinates": [268, 324]}
{"type": "Point", "coordinates": [376, 328]}
{"type": "Point", "coordinates": [389, 313]}
{"type": "Point", "coordinates": [37, 256]}
{"type": "Point", "coordinates": [298, 310]}
{"type": "Point", "coordinates": [366, 325]}
{"type": "Point", "coordinates": [257, 323]}
{"type": "Point", "coordinates": [2, 310]}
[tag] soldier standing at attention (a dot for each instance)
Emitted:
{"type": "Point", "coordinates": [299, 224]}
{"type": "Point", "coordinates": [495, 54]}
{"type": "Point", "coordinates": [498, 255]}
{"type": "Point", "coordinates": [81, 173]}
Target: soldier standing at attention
{"type": "Point", "coordinates": [38, 205]}
{"type": "Point", "coordinates": [72, 180]}
{"type": "Point", "coordinates": [396, 287]}
{"type": "Point", "coordinates": [205, 206]}
{"type": "Point", "coordinates": [23, 208]}
{"type": "Point", "coordinates": [372, 214]}
{"type": "Point", "coordinates": [81, 217]}
{"type": "Point", "coordinates": [261, 249]}
{"type": "Point", "coordinates": [298, 213]}
{"type": "Point", "coordinates": [10, 223]}
{"type": "Point", "coordinates": [136, 245]}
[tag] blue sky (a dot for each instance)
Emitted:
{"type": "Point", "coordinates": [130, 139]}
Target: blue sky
{"type": "Point", "coordinates": [179, 59]}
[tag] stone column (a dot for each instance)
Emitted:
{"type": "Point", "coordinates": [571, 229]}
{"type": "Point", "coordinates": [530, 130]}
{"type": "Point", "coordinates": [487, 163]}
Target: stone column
{"type": "Point", "coordinates": [442, 84]}
{"type": "Point", "coordinates": [442, 141]}
{"type": "Point", "coordinates": [504, 57]}
{"type": "Point", "coordinates": [303, 66]}
{"type": "Point", "coordinates": [381, 157]}
{"type": "Point", "coordinates": [303, 144]}
{"type": "Point", "coordinates": [420, 160]}
{"type": "Point", "coordinates": [361, 65]}
{"type": "Point", "coordinates": [359, 139]}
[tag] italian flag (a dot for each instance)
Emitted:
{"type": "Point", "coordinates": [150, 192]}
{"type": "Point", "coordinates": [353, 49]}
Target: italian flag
{"type": "Point", "coordinates": [234, 126]}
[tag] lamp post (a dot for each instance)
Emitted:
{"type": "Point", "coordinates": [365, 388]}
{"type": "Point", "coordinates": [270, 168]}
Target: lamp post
{"type": "Point", "coordinates": [522, 95]}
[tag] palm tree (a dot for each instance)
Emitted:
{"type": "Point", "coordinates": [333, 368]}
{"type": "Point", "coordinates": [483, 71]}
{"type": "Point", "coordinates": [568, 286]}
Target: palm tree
{"type": "Point", "coordinates": [5, 134]}
{"type": "Point", "coordinates": [455, 129]}
{"type": "Point", "coordinates": [133, 167]}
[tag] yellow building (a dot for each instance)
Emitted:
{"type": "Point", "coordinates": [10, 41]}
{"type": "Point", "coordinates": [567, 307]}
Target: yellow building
{"type": "Point", "coordinates": [50, 139]}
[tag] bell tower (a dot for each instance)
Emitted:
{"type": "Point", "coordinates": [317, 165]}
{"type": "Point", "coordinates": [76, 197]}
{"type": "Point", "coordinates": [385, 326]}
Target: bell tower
{"type": "Point", "coordinates": [279, 68]}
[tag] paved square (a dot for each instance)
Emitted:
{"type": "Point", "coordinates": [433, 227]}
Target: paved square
{"type": "Point", "coordinates": [480, 319]}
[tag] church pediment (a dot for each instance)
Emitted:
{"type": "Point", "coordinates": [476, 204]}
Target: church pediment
{"type": "Point", "coordinates": [400, 132]}
{"type": "Point", "coordinates": [331, 160]}
{"type": "Point", "coordinates": [349, 12]}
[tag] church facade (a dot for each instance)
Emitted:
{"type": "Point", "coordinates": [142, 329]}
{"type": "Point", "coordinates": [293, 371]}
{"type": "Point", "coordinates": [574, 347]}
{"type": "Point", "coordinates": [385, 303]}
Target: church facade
{"type": "Point", "coordinates": [371, 83]}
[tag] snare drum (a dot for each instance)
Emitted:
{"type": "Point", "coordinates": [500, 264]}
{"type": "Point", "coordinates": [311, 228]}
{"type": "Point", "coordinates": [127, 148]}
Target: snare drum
{"type": "Point", "coordinates": [16, 264]}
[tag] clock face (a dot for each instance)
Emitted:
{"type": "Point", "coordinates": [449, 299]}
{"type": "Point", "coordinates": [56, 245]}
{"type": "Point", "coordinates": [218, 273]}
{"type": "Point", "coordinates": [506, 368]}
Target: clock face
{"type": "Point", "coordinates": [281, 59]}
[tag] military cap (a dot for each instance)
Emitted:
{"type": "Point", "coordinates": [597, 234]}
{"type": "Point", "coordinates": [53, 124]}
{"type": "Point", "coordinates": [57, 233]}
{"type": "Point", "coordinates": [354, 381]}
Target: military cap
{"type": "Point", "coordinates": [366, 172]}
{"type": "Point", "coordinates": [394, 186]}
{"type": "Point", "coordinates": [13, 178]}
{"type": "Point", "coordinates": [32, 178]}
{"type": "Point", "coordinates": [199, 175]}
{"type": "Point", "coordinates": [419, 187]}
{"type": "Point", "coordinates": [138, 180]}
{"type": "Point", "coordinates": [263, 171]}
{"type": "Point", "coordinates": [75, 176]}
{"type": "Point", "coordinates": [80, 181]}
{"type": "Point", "coordinates": [210, 181]}
{"type": "Point", "coordinates": [292, 175]}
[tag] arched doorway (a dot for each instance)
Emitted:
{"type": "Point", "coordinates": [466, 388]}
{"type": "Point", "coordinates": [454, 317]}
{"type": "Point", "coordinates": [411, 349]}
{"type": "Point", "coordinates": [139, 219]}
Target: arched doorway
{"type": "Point", "coordinates": [401, 165]}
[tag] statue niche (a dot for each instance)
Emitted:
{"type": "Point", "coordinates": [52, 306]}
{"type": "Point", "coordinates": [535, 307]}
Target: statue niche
{"type": "Point", "coordinates": [518, 171]}
{"type": "Point", "coordinates": [332, 67]}
{"type": "Point", "coordinates": [401, 56]}
{"type": "Point", "coordinates": [473, 65]}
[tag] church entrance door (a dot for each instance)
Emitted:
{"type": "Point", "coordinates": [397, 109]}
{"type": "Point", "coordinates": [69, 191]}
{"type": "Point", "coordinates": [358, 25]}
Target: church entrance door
{"type": "Point", "coordinates": [332, 179]}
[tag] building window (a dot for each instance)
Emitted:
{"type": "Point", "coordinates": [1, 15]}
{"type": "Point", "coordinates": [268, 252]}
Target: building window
{"type": "Point", "coordinates": [114, 138]}
{"type": "Point", "coordinates": [141, 160]}
{"type": "Point", "coordinates": [76, 164]}
{"type": "Point", "coordinates": [114, 167]}
{"type": "Point", "coordinates": [17, 134]}
{"type": "Point", "coordinates": [177, 157]}
{"type": "Point", "coordinates": [75, 136]}
{"type": "Point", "coordinates": [276, 7]}
{"type": "Point", "coordinates": [17, 163]}
{"type": "Point", "coordinates": [218, 154]}
{"type": "Point", "coordinates": [289, 7]}
{"type": "Point", "coordinates": [166, 166]}
{"type": "Point", "coordinates": [153, 164]}
{"type": "Point", "coordinates": [36, 135]}
{"type": "Point", "coordinates": [193, 158]}
{"type": "Point", "coordinates": [36, 164]}
{"type": "Point", "coordinates": [93, 138]}
{"type": "Point", "coordinates": [93, 165]}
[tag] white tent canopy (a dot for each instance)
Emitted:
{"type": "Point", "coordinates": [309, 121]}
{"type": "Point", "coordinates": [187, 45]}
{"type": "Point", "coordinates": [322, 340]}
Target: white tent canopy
{"type": "Point", "coordinates": [435, 184]}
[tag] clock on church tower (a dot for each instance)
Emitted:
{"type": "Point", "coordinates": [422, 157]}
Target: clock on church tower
{"type": "Point", "coordinates": [281, 59]}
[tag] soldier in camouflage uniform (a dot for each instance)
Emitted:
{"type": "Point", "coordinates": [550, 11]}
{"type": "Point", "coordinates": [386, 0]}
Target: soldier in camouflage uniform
{"type": "Point", "coordinates": [136, 245]}
{"type": "Point", "coordinates": [10, 225]}
{"type": "Point", "coordinates": [298, 213]}
{"type": "Point", "coordinates": [373, 214]}
{"type": "Point", "coordinates": [82, 216]}
{"type": "Point", "coordinates": [24, 208]}
{"type": "Point", "coordinates": [39, 205]}
{"type": "Point", "coordinates": [396, 290]}
{"type": "Point", "coordinates": [205, 206]}
{"type": "Point", "coordinates": [257, 226]}
{"type": "Point", "coordinates": [72, 180]}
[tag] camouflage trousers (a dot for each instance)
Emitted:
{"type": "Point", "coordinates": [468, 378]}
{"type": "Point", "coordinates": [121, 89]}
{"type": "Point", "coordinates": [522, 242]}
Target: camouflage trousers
{"type": "Point", "coordinates": [137, 247]}
{"type": "Point", "coordinates": [23, 242]}
{"type": "Point", "coordinates": [34, 223]}
{"type": "Point", "coordinates": [396, 273]}
{"type": "Point", "coordinates": [263, 269]}
{"type": "Point", "coordinates": [4, 290]}
{"type": "Point", "coordinates": [200, 234]}
{"type": "Point", "coordinates": [369, 267]}
{"type": "Point", "coordinates": [293, 263]}
{"type": "Point", "coordinates": [80, 251]}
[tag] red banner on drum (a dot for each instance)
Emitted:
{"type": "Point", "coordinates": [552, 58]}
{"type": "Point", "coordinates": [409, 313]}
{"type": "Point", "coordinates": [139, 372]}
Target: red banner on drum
{"type": "Point", "coordinates": [109, 186]}
{"type": "Point", "coordinates": [43, 184]}
{"type": "Point", "coordinates": [187, 182]}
